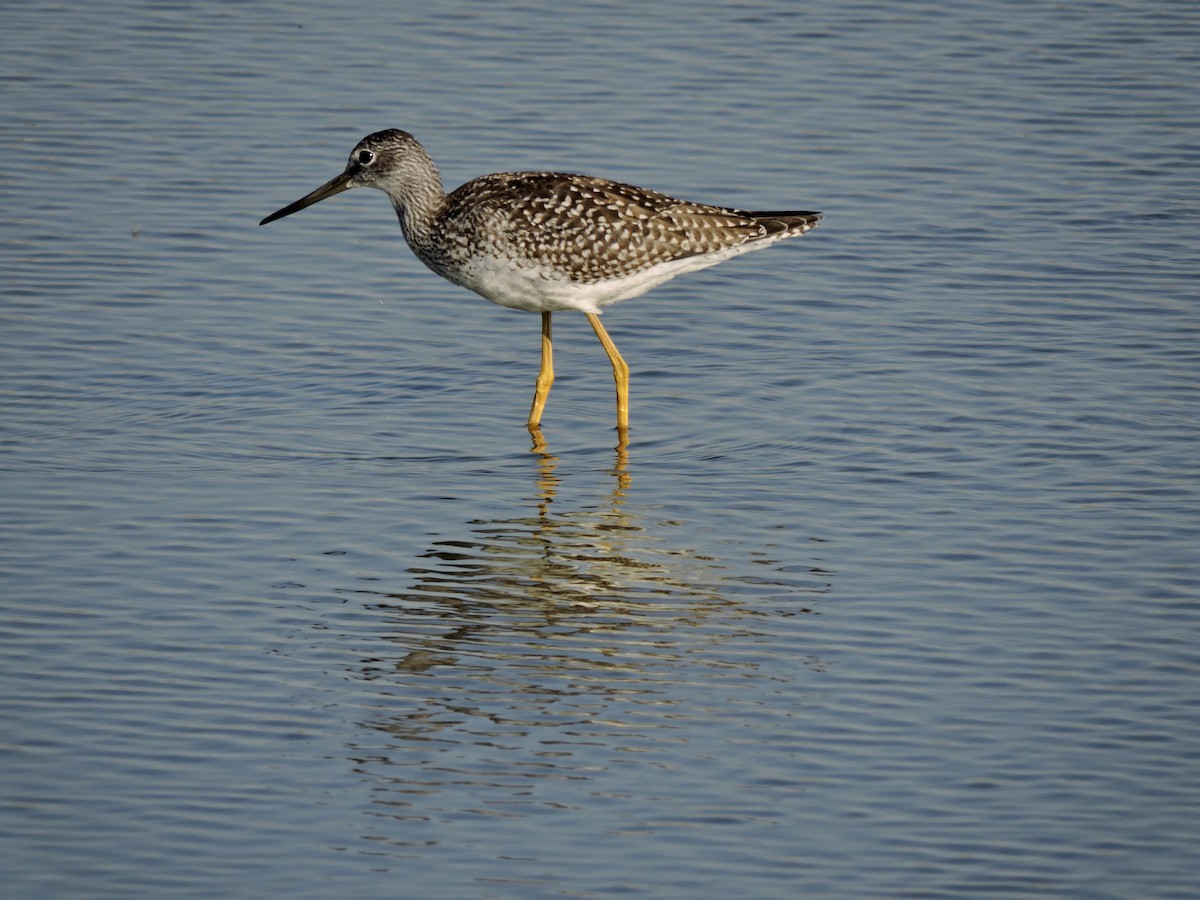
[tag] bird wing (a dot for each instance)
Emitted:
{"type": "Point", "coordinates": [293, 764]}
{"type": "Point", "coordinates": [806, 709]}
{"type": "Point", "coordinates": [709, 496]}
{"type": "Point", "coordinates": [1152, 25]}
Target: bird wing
{"type": "Point", "coordinates": [594, 227]}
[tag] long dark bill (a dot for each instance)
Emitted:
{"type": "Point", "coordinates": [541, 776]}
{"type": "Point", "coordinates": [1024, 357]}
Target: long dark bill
{"type": "Point", "coordinates": [328, 189]}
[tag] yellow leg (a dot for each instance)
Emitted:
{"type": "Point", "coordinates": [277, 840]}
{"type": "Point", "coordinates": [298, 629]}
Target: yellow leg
{"type": "Point", "coordinates": [545, 376]}
{"type": "Point", "coordinates": [620, 375]}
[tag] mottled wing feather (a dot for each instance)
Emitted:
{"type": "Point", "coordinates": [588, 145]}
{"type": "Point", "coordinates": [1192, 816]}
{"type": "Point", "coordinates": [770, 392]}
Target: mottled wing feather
{"type": "Point", "coordinates": [594, 228]}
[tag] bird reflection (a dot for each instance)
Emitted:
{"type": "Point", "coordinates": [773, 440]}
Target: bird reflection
{"type": "Point", "coordinates": [588, 591]}
{"type": "Point", "coordinates": [597, 570]}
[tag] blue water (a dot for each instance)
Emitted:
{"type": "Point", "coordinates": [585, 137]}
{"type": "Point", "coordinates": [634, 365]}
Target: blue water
{"type": "Point", "coordinates": [895, 594]}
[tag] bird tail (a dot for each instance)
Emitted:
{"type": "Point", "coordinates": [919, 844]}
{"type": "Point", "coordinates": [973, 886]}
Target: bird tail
{"type": "Point", "coordinates": [789, 223]}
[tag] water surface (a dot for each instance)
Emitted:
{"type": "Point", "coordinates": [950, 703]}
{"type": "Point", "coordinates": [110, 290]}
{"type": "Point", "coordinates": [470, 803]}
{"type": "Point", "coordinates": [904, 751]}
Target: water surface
{"type": "Point", "coordinates": [894, 594]}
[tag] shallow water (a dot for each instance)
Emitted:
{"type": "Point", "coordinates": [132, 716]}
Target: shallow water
{"type": "Point", "coordinates": [894, 594]}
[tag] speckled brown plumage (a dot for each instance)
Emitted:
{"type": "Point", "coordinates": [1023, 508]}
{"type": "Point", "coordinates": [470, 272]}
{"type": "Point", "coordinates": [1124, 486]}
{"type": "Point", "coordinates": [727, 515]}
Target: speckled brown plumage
{"type": "Point", "coordinates": [592, 229]}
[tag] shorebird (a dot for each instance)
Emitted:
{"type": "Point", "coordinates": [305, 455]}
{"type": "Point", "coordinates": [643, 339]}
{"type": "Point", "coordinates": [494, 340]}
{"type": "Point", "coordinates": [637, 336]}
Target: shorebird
{"type": "Point", "coordinates": [548, 241]}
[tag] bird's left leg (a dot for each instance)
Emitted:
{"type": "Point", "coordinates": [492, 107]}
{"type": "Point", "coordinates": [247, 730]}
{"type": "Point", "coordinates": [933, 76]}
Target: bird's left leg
{"type": "Point", "coordinates": [545, 376]}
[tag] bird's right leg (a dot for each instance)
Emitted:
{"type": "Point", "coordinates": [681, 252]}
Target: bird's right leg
{"type": "Point", "coordinates": [620, 374]}
{"type": "Point", "coordinates": [545, 376]}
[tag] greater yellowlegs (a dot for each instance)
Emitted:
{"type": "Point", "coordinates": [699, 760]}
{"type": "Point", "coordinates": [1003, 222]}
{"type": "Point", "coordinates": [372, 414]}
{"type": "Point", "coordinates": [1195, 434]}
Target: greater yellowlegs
{"type": "Point", "coordinates": [547, 241]}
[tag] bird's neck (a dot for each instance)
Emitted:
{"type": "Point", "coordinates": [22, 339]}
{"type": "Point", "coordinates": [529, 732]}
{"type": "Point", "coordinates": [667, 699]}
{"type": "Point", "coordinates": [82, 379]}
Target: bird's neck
{"type": "Point", "coordinates": [418, 200]}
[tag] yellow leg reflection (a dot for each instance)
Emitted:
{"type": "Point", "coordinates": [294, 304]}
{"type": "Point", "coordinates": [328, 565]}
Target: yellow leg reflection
{"type": "Point", "coordinates": [620, 375]}
{"type": "Point", "coordinates": [544, 380]}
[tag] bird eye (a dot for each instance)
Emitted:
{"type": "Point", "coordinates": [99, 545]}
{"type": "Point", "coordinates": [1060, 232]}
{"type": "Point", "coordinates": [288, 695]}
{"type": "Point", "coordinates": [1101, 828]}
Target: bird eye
{"type": "Point", "coordinates": [365, 157]}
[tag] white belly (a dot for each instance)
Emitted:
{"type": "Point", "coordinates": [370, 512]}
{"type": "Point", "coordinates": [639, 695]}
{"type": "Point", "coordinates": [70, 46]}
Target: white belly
{"type": "Point", "coordinates": [538, 289]}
